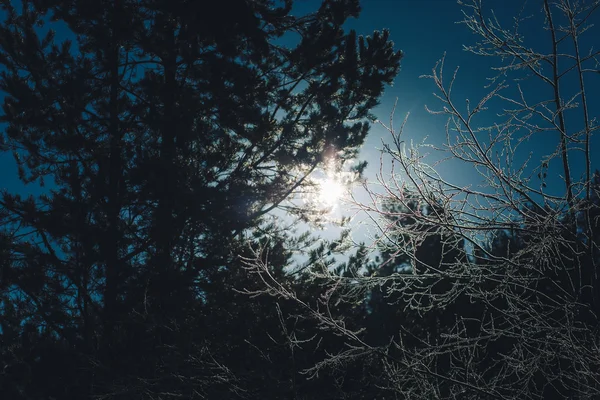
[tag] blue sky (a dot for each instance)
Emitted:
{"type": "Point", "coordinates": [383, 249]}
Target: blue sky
{"type": "Point", "coordinates": [425, 30]}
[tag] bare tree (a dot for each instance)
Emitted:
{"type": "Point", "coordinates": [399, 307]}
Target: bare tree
{"type": "Point", "coordinates": [512, 296]}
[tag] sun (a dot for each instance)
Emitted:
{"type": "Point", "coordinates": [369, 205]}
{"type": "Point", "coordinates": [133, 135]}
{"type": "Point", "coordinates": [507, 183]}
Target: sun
{"type": "Point", "coordinates": [330, 192]}
{"type": "Point", "coordinates": [329, 188]}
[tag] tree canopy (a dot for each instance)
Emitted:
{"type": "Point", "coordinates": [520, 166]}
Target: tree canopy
{"type": "Point", "coordinates": [164, 133]}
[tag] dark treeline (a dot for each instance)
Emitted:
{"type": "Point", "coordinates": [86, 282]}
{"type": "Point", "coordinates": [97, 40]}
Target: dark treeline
{"type": "Point", "coordinates": [514, 316]}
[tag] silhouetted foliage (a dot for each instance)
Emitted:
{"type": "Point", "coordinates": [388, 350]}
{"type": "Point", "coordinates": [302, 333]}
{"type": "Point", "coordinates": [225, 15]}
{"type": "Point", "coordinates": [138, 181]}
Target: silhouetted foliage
{"type": "Point", "coordinates": [165, 133]}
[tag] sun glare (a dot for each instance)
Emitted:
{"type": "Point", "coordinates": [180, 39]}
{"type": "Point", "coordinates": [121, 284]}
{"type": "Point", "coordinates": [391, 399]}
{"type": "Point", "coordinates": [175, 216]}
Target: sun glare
{"type": "Point", "coordinates": [329, 188]}
{"type": "Point", "coordinates": [330, 192]}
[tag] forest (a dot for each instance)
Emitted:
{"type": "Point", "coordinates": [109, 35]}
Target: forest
{"type": "Point", "coordinates": [172, 249]}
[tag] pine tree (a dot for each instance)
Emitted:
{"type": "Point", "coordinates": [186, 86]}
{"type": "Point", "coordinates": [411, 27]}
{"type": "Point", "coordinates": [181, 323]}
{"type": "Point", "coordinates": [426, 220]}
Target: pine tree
{"type": "Point", "coordinates": [165, 134]}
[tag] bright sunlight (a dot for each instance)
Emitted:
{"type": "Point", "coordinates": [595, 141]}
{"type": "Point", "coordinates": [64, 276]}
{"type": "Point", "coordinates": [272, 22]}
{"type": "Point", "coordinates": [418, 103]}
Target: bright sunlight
{"type": "Point", "coordinates": [331, 186]}
{"type": "Point", "coordinates": [331, 191]}
{"type": "Point", "coordinates": [328, 190]}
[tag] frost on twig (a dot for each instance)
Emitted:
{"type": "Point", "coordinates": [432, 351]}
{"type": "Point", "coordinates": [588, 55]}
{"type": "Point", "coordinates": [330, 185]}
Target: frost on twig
{"type": "Point", "coordinates": [487, 290]}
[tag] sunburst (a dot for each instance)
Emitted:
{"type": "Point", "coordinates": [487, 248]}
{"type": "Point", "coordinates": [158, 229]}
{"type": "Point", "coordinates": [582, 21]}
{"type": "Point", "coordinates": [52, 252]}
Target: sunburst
{"type": "Point", "coordinates": [330, 191]}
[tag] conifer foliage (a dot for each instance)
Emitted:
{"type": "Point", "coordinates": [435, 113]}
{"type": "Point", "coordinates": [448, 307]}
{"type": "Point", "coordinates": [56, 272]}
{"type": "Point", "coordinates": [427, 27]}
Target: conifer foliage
{"type": "Point", "coordinates": [163, 132]}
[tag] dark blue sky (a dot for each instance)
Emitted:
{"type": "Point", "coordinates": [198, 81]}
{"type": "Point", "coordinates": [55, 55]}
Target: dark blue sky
{"type": "Point", "coordinates": [427, 29]}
